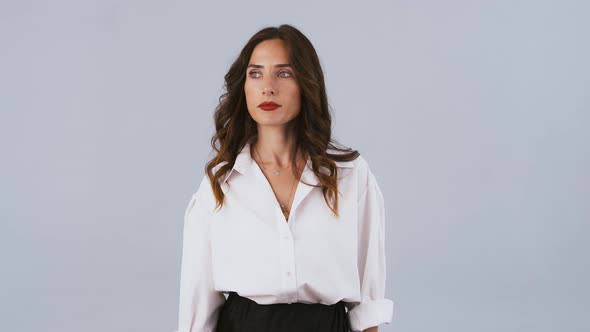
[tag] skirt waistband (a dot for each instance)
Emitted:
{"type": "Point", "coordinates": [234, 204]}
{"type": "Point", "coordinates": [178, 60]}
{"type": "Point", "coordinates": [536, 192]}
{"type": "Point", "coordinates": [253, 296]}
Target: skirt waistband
{"type": "Point", "coordinates": [241, 314]}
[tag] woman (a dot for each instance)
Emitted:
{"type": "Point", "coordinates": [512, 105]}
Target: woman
{"type": "Point", "coordinates": [287, 225]}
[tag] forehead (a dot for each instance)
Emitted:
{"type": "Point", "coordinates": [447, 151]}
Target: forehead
{"type": "Point", "coordinates": [270, 51]}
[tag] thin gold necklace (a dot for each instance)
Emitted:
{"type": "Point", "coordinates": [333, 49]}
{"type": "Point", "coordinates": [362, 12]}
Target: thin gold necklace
{"type": "Point", "coordinates": [277, 172]}
{"type": "Point", "coordinates": [283, 207]}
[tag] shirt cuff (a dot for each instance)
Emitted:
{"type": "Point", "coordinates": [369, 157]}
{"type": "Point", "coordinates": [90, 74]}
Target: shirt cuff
{"type": "Point", "coordinates": [370, 313]}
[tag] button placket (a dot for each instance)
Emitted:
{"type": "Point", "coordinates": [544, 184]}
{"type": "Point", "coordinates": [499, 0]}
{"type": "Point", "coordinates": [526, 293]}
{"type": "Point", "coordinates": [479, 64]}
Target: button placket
{"type": "Point", "coordinates": [287, 251]}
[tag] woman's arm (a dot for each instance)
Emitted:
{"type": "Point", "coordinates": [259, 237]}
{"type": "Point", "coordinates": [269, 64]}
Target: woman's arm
{"type": "Point", "coordinates": [374, 308]}
{"type": "Point", "coordinates": [199, 302]}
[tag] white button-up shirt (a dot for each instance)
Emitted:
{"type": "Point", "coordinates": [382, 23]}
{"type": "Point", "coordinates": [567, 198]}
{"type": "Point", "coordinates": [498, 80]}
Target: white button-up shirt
{"type": "Point", "coordinates": [248, 247]}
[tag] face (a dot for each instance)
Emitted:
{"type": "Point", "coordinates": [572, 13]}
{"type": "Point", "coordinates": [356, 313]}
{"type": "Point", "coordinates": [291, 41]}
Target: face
{"type": "Point", "coordinates": [269, 77]}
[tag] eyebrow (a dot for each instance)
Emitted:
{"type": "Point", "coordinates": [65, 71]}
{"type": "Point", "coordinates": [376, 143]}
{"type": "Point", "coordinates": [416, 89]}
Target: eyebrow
{"type": "Point", "coordinates": [261, 66]}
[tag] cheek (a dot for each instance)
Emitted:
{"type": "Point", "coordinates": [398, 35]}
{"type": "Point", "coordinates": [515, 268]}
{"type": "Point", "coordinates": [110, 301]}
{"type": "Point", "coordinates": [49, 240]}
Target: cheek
{"type": "Point", "coordinates": [249, 89]}
{"type": "Point", "coordinates": [291, 89]}
{"type": "Point", "coordinates": [296, 96]}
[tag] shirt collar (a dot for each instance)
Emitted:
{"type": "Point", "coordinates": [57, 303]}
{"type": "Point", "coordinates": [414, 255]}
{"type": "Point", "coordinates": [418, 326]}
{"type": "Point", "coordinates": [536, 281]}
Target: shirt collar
{"type": "Point", "coordinates": [244, 161]}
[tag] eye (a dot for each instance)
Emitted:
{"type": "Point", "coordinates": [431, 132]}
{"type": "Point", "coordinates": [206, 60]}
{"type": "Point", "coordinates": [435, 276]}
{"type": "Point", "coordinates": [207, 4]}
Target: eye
{"type": "Point", "coordinates": [254, 72]}
{"type": "Point", "coordinates": [285, 72]}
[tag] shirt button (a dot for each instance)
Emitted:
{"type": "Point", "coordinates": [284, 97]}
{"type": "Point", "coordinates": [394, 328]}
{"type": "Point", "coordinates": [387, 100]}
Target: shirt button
{"type": "Point", "coordinates": [288, 274]}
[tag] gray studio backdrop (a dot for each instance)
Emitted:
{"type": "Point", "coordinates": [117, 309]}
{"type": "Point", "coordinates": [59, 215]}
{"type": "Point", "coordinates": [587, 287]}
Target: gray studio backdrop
{"type": "Point", "coordinates": [472, 114]}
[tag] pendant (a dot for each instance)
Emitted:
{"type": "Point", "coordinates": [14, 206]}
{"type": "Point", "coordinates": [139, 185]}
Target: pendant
{"type": "Point", "coordinates": [277, 173]}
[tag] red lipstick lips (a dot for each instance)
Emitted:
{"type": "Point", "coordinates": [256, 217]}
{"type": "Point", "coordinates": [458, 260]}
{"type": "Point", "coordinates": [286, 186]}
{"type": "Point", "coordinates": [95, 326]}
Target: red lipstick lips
{"type": "Point", "coordinates": [269, 106]}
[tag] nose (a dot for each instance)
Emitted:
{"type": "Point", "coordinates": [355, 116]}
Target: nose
{"type": "Point", "coordinates": [268, 91]}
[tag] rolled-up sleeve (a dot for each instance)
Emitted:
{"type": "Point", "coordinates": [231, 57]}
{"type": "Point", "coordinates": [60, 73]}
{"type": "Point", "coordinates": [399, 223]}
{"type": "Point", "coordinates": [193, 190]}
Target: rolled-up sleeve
{"type": "Point", "coordinates": [199, 302]}
{"type": "Point", "coordinates": [374, 309]}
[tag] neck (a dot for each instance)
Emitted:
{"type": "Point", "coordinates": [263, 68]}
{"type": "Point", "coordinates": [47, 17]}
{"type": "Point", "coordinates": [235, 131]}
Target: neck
{"type": "Point", "coordinates": [274, 146]}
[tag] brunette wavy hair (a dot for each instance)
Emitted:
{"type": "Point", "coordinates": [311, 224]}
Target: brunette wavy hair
{"type": "Point", "coordinates": [312, 126]}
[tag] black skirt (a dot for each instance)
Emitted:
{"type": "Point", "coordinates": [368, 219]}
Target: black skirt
{"type": "Point", "coordinates": [241, 314]}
